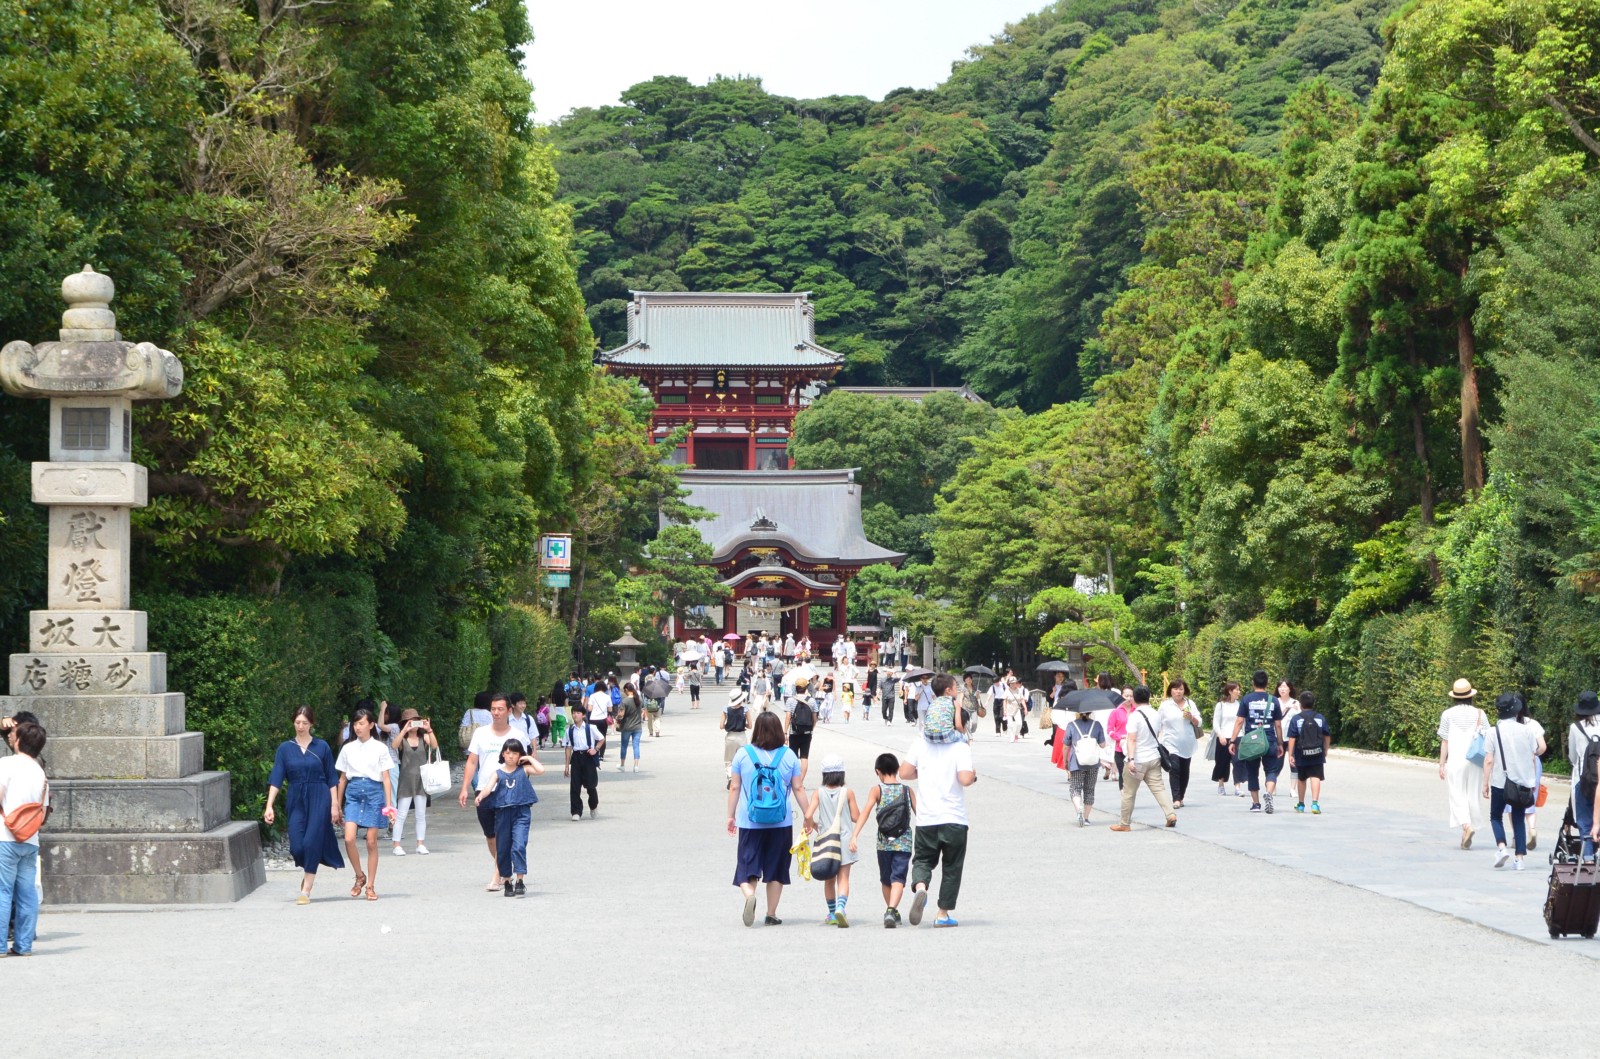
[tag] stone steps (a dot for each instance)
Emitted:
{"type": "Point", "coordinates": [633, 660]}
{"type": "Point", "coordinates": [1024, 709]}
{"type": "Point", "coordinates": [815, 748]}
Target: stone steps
{"type": "Point", "coordinates": [221, 865]}
{"type": "Point", "coordinates": [190, 805]}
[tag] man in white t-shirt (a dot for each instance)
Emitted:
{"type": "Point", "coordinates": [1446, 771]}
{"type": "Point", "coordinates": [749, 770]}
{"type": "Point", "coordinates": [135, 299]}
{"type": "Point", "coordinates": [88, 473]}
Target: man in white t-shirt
{"type": "Point", "coordinates": [483, 759]}
{"type": "Point", "coordinates": [943, 772]}
{"type": "Point", "coordinates": [1143, 761]}
{"type": "Point", "coordinates": [22, 783]}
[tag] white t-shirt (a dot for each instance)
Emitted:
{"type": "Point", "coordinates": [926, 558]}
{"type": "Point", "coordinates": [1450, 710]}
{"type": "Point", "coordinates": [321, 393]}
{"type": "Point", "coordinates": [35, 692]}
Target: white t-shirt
{"type": "Point", "coordinates": [1140, 724]}
{"type": "Point", "coordinates": [24, 782]}
{"type": "Point", "coordinates": [367, 759]}
{"type": "Point", "coordinates": [1521, 743]}
{"type": "Point", "coordinates": [1457, 726]}
{"type": "Point", "coordinates": [1222, 718]}
{"type": "Point", "coordinates": [599, 704]}
{"type": "Point", "coordinates": [1176, 733]}
{"type": "Point", "coordinates": [487, 744]}
{"type": "Point", "coordinates": [940, 797]}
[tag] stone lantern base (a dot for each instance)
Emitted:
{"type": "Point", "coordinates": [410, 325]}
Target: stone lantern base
{"type": "Point", "coordinates": [134, 819]}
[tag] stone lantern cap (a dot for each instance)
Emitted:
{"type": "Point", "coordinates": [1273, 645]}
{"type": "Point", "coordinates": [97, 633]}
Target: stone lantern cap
{"type": "Point", "coordinates": [91, 359]}
{"type": "Point", "coordinates": [627, 638]}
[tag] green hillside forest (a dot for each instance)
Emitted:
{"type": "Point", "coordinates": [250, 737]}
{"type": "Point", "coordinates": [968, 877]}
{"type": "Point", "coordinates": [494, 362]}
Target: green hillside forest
{"type": "Point", "coordinates": [1280, 308]}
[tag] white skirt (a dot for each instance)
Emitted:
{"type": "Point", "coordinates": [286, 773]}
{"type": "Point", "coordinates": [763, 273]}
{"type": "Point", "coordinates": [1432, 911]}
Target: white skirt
{"type": "Point", "coordinates": [1464, 783]}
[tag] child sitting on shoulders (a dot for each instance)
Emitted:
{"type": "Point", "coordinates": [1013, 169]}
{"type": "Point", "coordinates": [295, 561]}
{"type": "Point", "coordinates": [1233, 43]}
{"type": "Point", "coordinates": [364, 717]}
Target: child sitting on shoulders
{"type": "Point", "coordinates": [514, 798]}
{"type": "Point", "coordinates": [940, 724]}
{"type": "Point", "coordinates": [895, 803]}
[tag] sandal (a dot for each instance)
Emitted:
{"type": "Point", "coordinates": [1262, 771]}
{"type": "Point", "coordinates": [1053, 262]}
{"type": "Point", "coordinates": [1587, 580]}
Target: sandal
{"type": "Point", "coordinates": [372, 895]}
{"type": "Point", "coordinates": [361, 881]}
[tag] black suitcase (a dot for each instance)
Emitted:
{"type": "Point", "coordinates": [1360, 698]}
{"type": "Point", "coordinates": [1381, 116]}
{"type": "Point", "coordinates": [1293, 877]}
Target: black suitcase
{"type": "Point", "coordinates": [1573, 903]}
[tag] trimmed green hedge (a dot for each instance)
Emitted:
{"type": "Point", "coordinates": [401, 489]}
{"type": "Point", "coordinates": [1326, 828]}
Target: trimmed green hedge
{"type": "Point", "coordinates": [245, 662]}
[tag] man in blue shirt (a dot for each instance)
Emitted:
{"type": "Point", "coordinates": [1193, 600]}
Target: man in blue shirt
{"type": "Point", "coordinates": [1259, 710]}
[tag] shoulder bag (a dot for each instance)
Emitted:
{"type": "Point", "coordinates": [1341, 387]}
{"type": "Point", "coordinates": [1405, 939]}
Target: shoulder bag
{"type": "Point", "coordinates": [1518, 796]}
{"type": "Point", "coordinates": [827, 847]}
{"type": "Point", "coordinates": [435, 774]}
{"type": "Point", "coordinates": [1478, 749]}
{"type": "Point", "coordinates": [1161, 751]}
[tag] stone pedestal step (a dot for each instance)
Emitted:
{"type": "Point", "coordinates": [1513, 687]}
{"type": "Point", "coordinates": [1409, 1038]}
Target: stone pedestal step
{"type": "Point", "coordinates": [64, 715]}
{"type": "Point", "coordinates": [221, 865]}
{"type": "Point", "coordinates": [191, 805]}
{"type": "Point", "coordinates": [111, 757]}
{"type": "Point", "coordinates": [89, 673]}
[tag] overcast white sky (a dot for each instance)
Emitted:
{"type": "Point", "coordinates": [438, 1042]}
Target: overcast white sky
{"type": "Point", "coordinates": [586, 52]}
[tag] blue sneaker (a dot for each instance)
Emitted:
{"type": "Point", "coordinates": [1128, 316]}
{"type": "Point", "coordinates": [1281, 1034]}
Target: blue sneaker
{"type": "Point", "coordinates": [1299, 807]}
{"type": "Point", "coordinates": [1315, 808]}
{"type": "Point", "coordinates": [946, 921]}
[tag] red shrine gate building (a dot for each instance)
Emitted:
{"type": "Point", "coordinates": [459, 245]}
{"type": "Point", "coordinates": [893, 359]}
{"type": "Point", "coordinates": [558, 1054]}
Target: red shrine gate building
{"type": "Point", "coordinates": [736, 369]}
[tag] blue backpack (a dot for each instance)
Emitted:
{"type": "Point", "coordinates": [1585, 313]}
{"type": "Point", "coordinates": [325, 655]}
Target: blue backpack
{"type": "Point", "coordinates": [765, 800]}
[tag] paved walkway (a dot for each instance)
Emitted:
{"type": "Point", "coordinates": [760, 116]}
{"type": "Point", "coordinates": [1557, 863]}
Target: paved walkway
{"type": "Point", "coordinates": [1235, 933]}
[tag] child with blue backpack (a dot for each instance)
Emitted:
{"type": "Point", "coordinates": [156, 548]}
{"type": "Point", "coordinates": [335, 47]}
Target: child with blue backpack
{"type": "Point", "coordinates": [514, 798]}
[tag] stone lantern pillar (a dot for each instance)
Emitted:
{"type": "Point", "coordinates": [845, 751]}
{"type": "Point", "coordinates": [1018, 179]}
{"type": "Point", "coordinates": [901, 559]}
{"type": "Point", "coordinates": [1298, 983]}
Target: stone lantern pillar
{"type": "Point", "coordinates": [627, 646]}
{"type": "Point", "coordinates": [136, 818]}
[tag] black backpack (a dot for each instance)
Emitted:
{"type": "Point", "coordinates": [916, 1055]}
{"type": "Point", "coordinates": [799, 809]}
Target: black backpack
{"type": "Point", "coordinates": [803, 719]}
{"type": "Point", "coordinates": [1591, 767]}
{"type": "Point", "coordinates": [894, 818]}
{"type": "Point", "coordinates": [735, 718]}
{"type": "Point", "coordinates": [1311, 740]}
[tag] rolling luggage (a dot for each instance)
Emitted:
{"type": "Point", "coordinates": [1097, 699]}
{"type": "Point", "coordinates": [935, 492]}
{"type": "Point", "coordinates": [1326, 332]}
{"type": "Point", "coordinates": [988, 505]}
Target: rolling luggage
{"type": "Point", "coordinates": [1569, 844]}
{"type": "Point", "coordinates": [1573, 903]}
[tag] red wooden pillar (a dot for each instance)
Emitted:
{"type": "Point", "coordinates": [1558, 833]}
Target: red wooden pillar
{"type": "Point", "coordinates": [804, 622]}
{"type": "Point", "coordinates": [730, 617]}
{"type": "Point", "coordinates": [750, 462]}
{"type": "Point", "coordinates": [690, 443]}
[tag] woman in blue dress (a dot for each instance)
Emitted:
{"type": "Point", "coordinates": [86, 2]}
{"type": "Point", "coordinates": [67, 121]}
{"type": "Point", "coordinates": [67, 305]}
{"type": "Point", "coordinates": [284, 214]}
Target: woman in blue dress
{"type": "Point", "coordinates": [307, 763]}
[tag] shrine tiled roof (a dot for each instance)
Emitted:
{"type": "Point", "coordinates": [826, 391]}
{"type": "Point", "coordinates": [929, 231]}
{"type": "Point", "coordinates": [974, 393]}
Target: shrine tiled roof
{"type": "Point", "coordinates": [721, 329]}
{"type": "Point", "coordinates": [814, 515]}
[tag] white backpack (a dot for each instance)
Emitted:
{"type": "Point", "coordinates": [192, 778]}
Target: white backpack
{"type": "Point", "coordinates": [1085, 751]}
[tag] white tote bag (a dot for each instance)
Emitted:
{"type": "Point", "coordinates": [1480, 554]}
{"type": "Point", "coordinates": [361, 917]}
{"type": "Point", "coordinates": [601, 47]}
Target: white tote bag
{"type": "Point", "coordinates": [436, 774]}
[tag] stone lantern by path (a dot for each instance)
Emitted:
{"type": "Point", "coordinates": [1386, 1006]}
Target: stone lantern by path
{"type": "Point", "coordinates": [627, 646]}
{"type": "Point", "coordinates": [136, 818]}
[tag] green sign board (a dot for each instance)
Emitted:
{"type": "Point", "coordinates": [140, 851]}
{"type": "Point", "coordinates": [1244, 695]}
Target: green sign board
{"type": "Point", "coordinates": [557, 580]}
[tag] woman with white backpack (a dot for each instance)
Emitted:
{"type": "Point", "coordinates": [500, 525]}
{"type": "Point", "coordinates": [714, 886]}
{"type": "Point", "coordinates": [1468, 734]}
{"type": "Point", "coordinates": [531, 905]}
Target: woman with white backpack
{"type": "Point", "coordinates": [1085, 741]}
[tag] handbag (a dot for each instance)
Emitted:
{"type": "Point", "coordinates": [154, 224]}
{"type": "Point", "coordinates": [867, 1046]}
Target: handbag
{"type": "Point", "coordinates": [1255, 744]}
{"type": "Point", "coordinates": [1161, 751]}
{"type": "Point", "coordinates": [1478, 749]}
{"type": "Point", "coordinates": [435, 774]}
{"type": "Point", "coordinates": [1211, 747]}
{"type": "Point", "coordinates": [1047, 717]}
{"type": "Point", "coordinates": [1517, 795]}
{"type": "Point", "coordinates": [827, 847]}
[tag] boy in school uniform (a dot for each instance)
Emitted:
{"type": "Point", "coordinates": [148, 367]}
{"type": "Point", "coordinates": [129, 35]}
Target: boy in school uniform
{"type": "Point", "coordinates": [583, 745]}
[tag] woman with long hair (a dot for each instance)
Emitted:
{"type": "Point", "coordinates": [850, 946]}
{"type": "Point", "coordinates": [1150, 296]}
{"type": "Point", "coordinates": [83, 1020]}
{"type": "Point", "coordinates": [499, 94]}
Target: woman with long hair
{"type": "Point", "coordinates": [306, 763]}
{"type": "Point", "coordinates": [1222, 717]}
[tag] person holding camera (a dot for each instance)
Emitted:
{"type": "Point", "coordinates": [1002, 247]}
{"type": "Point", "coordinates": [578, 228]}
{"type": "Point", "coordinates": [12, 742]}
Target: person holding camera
{"type": "Point", "coordinates": [412, 748]}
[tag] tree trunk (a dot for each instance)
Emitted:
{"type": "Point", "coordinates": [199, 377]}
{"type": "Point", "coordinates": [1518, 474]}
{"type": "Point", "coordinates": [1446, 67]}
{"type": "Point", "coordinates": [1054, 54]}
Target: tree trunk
{"type": "Point", "coordinates": [1111, 572]}
{"type": "Point", "coordinates": [1419, 438]}
{"type": "Point", "coordinates": [1471, 436]}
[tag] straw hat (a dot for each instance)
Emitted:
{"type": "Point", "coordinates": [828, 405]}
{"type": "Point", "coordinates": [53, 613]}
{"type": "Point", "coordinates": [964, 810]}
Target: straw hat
{"type": "Point", "coordinates": [408, 715]}
{"type": "Point", "coordinates": [1463, 689]}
